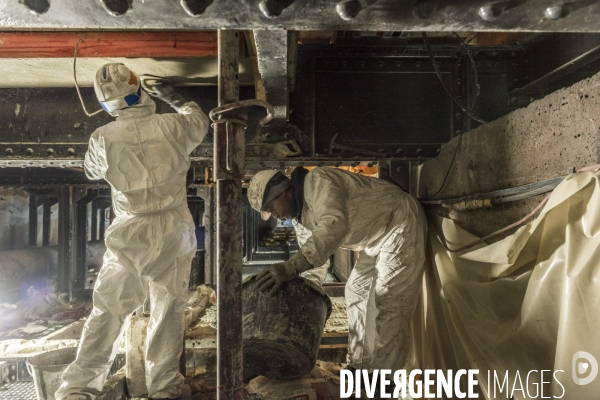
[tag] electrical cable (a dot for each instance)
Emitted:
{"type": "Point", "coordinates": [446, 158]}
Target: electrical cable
{"type": "Point", "coordinates": [76, 85]}
{"type": "Point", "coordinates": [449, 168]}
{"type": "Point", "coordinates": [516, 224]}
{"type": "Point", "coordinates": [439, 75]}
{"type": "Point", "coordinates": [513, 225]}
{"type": "Point", "coordinates": [474, 66]}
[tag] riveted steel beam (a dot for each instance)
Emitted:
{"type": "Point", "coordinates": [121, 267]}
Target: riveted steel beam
{"type": "Point", "coordinates": [365, 15]}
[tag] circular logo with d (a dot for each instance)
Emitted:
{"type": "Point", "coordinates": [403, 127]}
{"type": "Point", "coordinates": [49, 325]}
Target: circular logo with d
{"type": "Point", "coordinates": [584, 363]}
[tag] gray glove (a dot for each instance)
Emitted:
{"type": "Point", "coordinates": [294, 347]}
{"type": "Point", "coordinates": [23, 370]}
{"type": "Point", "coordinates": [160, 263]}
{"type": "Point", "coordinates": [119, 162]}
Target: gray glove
{"type": "Point", "coordinates": [167, 93]}
{"type": "Point", "coordinates": [274, 276]}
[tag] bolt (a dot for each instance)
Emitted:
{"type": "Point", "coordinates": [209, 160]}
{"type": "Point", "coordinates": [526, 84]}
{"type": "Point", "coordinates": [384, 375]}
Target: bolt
{"type": "Point", "coordinates": [419, 152]}
{"type": "Point", "coordinates": [29, 151]}
{"type": "Point", "coordinates": [398, 63]}
{"type": "Point", "coordinates": [418, 64]}
{"type": "Point", "coordinates": [458, 81]}
{"type": "Point", "coordinates": [361, 63]}
{"type": "Point", "coordinates": [458, 115]}
{"type": "Point", "coordinates": [489, 12]}
{"type": "Point", "coordinates": [344, 63]}
{"type": "Point", "coordinates": [399, 150]}
{"type": "Point", "coordinates": [348, 10]}
{"type": "Point", "coordinates": [556, 11]}
{"type": "Point", "coordinates": [380, 64]}
{"type": "Point", "coordinates": [50, 152]}
{"type": "Point", "coordinates": [399, 169]}
{"type": "Point", "coordinates": [71, 151]}
{"type": "Point", "coordinates": [8, 151]}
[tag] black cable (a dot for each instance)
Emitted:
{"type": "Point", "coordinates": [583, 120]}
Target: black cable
{"type": "Point", "coordinates": [439, 75]}
{"type": "Point", "coordinates": [449, 168]}
{"type": "Point", "coordinates": [474, 66]}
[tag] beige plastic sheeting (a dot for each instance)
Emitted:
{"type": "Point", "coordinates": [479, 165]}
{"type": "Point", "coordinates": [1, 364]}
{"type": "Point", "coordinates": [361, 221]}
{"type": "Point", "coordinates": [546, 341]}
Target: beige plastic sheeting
{"type": "Point", "coordinates": [528, 302]}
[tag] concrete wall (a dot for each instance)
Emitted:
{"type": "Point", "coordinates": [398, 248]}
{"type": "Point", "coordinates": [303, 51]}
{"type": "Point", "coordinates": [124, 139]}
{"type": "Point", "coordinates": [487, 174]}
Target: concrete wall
{"type": "Point", "coordinates": [538, 142]}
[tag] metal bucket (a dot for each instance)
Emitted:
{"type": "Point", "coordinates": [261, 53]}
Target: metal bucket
{"type": "Point", "coordinates": [282, 333]}
{"type": "Point", "coordinates": [47, 369]}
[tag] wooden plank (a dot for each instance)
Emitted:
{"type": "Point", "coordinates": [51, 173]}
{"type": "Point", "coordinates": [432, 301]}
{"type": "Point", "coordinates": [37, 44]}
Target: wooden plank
{"type": "Point", "coordinates": [334, 346]}
{"type": "Point", "coordinates": [334, 334]}
{"type": "Point", "coordinates": [108, 44]}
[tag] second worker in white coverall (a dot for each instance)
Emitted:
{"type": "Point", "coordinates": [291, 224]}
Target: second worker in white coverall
{"type": "Point", "coordinates": [332, 208]}
{"type": "Point", "coordinates": [144, 156]}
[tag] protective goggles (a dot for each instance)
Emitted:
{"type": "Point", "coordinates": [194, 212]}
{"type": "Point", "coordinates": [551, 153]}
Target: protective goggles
{"type": "Point", "coordinates": [122, 101]}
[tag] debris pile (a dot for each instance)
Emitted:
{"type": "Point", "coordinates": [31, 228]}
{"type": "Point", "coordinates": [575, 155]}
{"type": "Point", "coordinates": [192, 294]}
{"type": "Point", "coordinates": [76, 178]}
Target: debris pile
{"type": "Point", "coordinates": [43, 311]}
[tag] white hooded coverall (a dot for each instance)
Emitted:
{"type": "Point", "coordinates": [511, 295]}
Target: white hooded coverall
{"type": "Point", "coordinates": [388, 227]}
{"type": "Point", "coordinates": [150, 244]}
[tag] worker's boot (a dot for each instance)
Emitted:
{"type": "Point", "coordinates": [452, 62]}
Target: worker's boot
{"type": "Point", "coordinates": [186, 394]}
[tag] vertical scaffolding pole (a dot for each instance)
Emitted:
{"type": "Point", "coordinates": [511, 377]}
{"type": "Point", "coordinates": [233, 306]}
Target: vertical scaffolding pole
{"type": "Point", "coordinates": [228, 172]}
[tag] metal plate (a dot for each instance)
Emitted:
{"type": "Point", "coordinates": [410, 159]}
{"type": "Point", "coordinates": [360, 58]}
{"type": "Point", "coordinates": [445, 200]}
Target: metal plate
{"type": "Point", "coordinates": [384, 15]}
{"type": "Point", "coordinates": [18, 391]}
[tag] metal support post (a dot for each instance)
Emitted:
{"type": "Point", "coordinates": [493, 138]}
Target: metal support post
{"type": "Point", "coordinates": [102, 222]}
{"type": "Point", "coordinates": [78, 265]}
{"type": "Point", "coordinates": [47, 220]}
{"type": "Point", "coordinates": [33, 220]}
{"type": "Point", "coordinates": [65, 237]}
{"type": "Point", "coordinates": [72, 239]}
{"type": "Point", "coordinates": [228, 173]}
{"type": "Point", "coordinates": [94, 221]}
{"type": "Point", "coordinates": [207, 193]}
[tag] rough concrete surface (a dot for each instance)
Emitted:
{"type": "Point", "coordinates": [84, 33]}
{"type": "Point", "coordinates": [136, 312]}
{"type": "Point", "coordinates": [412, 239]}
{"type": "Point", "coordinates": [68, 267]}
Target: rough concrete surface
{"type": "Point", "coordinates": [538, 142]}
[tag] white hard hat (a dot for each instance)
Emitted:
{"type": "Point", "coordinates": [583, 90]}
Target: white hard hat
{"type": "Point", "coordinates": [256, 191]}
{"type": "Point", "coordinates": [116, 87]}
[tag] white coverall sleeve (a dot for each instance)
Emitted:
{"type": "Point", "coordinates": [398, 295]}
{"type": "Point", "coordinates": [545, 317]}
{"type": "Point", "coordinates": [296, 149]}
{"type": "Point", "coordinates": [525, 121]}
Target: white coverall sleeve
{"type": "Point", "coordinates": [316, 274]}
{"type": "Point", "coordinates": [95, 164]}
{"type": "Point", "coordinates": [327, 201]}
{"type": "Point", "coordinates": [192, 125]}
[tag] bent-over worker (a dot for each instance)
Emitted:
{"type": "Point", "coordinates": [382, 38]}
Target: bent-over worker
{"type": "Point", "coordinates": [331, 208]}
{"type": "Point", "coordinates": [144, 157]}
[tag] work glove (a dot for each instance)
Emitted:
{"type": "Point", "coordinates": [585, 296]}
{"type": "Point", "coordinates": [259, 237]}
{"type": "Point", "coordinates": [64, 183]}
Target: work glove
{"type": "Point", "coordinates": [167, 93]}
{"type": "Point", "coordinates": [274, 276]}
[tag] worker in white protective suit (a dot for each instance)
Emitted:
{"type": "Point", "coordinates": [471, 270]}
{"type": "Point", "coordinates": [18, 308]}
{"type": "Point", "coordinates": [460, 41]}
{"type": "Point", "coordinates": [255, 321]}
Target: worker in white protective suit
{"type": "Point", "coordinates": [332, 208]}
{"type": "Point", "coordinates": [150, 244]}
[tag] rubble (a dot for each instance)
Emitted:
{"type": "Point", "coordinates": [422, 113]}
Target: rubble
{"type": "Point", "coordinates": [43, 311]}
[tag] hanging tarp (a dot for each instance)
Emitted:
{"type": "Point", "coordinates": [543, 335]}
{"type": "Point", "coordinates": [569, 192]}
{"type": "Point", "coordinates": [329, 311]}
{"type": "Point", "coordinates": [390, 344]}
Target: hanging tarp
{"type": "Point", "coordinates": [526, 304]}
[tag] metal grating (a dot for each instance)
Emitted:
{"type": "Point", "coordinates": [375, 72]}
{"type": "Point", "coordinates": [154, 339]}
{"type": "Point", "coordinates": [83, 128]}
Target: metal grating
{"type": "Point", "coordinates": [18, 391]}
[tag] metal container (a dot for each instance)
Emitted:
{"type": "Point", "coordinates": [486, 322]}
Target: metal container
{"type": "Point", "coordinates": [47, 368]}
{"type": "Point", "coordinates": [282, 333]}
